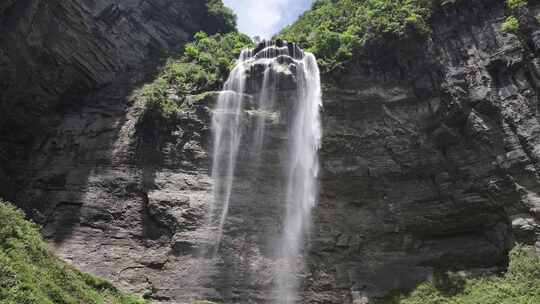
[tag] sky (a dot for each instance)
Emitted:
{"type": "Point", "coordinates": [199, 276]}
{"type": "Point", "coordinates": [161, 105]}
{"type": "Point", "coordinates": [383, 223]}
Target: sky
{"type": "Point", "coordinates": [264, 18]}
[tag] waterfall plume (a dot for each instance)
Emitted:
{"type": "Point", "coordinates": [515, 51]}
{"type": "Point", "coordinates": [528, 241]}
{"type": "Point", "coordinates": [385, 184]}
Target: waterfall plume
{"type": "Point", "coordinates": [253, 96]}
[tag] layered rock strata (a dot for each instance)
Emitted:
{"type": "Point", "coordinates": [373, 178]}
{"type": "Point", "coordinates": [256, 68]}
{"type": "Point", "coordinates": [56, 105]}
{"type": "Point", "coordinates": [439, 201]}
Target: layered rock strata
{"type": "Point", "coordinates": [430, 163]}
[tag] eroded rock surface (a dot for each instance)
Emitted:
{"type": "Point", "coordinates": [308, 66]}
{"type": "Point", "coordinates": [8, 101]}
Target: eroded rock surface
{"type": "Point", "coordinates": [55, 53]}
{"type": "Point", "coordinates": [431, 157]}
{"type": "Point", "coordinates": [430, 163]}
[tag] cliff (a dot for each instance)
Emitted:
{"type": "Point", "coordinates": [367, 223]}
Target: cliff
{"type": "Point", "coordinates": [54, 55]}
{"type": "Point", "coordinates": [430, 156]}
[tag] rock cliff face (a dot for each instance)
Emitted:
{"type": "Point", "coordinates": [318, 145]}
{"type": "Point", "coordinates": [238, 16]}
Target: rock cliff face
{"type": "Point", "coordinates": [430, 162]}
{"type": "Point", "coordinates": [53, 54]}
{"type": "Point", "coordinates": [431, 156]}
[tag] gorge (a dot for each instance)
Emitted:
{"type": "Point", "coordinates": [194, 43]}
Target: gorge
{"type": "Point", "coordinates": [140, 169]}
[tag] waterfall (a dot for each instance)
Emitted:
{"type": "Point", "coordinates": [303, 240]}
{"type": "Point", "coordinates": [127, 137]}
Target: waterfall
{"type": "Point", "coordinates": [302, 186]}
{"type": "Point", "coordinates": [227, 133]}
{"type": "Point", "coordinates": [254, 88]}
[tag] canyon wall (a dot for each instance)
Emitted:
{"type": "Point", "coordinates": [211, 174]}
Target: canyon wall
{"type": "Point", "coordinates": [55, 54]}
{"type": "Point", "coordinates": [430, 156]}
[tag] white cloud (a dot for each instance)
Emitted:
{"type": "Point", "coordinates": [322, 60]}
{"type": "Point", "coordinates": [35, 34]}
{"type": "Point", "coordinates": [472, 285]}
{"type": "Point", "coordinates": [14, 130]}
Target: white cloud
{"type": "Point", "coordinates": [266, 17]}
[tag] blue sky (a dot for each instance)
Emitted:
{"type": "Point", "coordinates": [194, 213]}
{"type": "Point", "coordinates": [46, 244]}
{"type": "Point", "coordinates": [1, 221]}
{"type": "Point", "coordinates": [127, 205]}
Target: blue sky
{"type": "Point", "coordinates": [265, 18]}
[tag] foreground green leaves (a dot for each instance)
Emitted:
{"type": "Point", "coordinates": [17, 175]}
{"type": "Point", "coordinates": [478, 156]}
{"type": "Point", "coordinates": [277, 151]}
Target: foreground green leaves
{"type": "Point", "coordinates": [31, 274]}
{"type": "Point", "coordinates": [519, 285]}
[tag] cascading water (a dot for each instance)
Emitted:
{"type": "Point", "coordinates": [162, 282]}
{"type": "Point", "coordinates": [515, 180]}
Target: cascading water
{"type": "Point", "coordinates": [227, 133]}
{"type": "Point", "coordinates": [263, 74]}
{"type": "Point", "coordinates": [302, 187]}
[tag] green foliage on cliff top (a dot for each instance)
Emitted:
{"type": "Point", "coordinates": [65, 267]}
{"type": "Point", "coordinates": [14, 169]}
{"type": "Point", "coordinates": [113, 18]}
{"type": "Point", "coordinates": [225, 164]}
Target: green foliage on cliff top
{"type": "Point", "coordinates": [513, 4]}
{"type": "Point", "coordinates": [334, 30]}
{"type": "Point", "coordinates": [520, 285]}
{"type": "Point", "coordinates": [224, 16]}
{"type": "Point", "coordinates": [203, 66]}
{"type": "Point", "coordinates": [31, 274]}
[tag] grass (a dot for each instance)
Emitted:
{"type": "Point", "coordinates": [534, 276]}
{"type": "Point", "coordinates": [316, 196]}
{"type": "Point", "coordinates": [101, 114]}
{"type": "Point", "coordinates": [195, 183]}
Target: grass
{"type": "Point", "coordinates": [519, 285]}
{"type": "Point", "coordinates": [31, 274]}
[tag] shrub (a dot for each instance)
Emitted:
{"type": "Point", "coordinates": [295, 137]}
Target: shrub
{"type": "Point", "coordinates": [31, 274]}
{"type": "Point", "coordinates": [520, 285]}
{"type": "Point", "coordinates": [335, 30]}
{"type": "Point", "coordinates": [511, 24]}
{"type": "Point", "coordinates": [203, 66]}
{"type": "Point", "coordinates": [224, 17]}
{"type": "Point", "coordinates": [514, 4]}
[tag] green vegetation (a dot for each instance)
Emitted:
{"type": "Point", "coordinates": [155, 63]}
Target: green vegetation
{"type": "Point", "coordinates": [31, 274]}
{"type": "Point", "coordinates": [511, 24]}
{"type": "Point", "coordinates": [520, 285]}
{"type": "Point", "coordinates": [203, 66]}
{"type": "Point", "coordinates": [513, 4]}
{"type": "Point", "coordinates": [224, 16]}
{"type": "Point", "coordinates": [335, 30]}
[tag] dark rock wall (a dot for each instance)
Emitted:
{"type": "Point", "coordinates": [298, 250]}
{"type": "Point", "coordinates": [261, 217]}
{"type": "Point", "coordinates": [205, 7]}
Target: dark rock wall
{"type": "Point", "coordinates": [53, 53]}
{"type": "Point", "coordinates": [430, 155]}
{"type": "Point", "coordinates": [72, 154]}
